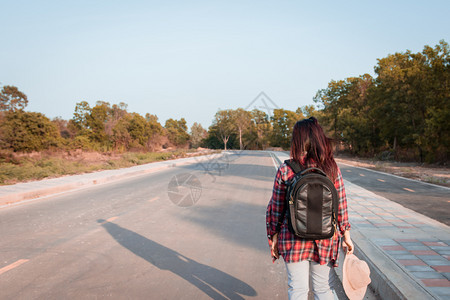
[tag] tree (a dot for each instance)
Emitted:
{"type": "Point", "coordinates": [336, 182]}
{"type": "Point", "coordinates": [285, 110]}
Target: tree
{"type": "Point", "coordinates": [138, 129]}
{"type": "Point", "coordinates": [96, 122]}
{"type": "Point", "coordinates": [404, 109]}
{"type": "Point", "coordinates": [121, 137]}
{"type": "Point", "coordinates": [242, 120]}
{"type": "Point", "coordinates": [224, 125]}
{"type": "Point", "coordinates": [11, 99]}
{"type": "Point", "coordinates": [437, 126]}
{"type": "Point", "coordinates": [406, 92]}
{"type": "Point", "coordinates": [329, 99]}
{"type": "Point", "coordinates": [283, 122]}
{"type": "Point", "coordinates": [107, 126]}
{"type": "Point", "coordinates": [213, 140]}
{"type": "Point", "coordinates": [156, 135]}
{"type": "Point", "coordinates": [115, 114]}
{"type": "Point", "coordinates": [155, 126]}
{"type": "Point", "coordinates": [62, 126]}
{"type": "Point", "coordinates": [198, 134]}
{"type": "Point", "coordinates": [262, 127]}
{"type": "Point", "coordinates": [348, 109]}
{"type": "Point", "coordinates": [307, 110]}
{"type": "Point", "coordinates": [177, 132]}
{"type": "Point", "coordinates": [27, 131]}
{"type": "Point", "coordinates": [81, 115]}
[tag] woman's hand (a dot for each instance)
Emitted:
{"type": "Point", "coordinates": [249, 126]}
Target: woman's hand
{"type": "Point", "coordinates": [347, 243]}
{"type": "Point", "coordinates": [274, 247]}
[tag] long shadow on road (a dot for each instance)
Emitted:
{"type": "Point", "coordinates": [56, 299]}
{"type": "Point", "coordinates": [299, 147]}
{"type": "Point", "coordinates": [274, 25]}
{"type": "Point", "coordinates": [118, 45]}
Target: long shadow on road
{"type": "Point", "coordinates": [240, 223]}
{"type": "Point", "coordinates": [205, 278]}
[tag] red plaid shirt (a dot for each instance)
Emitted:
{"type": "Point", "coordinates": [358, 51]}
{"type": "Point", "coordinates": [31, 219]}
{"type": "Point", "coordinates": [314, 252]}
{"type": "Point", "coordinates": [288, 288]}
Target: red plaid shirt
{"type": "Point", "coordinates": [291, 247]}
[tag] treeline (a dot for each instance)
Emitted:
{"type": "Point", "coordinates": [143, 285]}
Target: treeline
{"type": "Point", "coordinates": [241, 129]}
{"type": "Point", "coordinates": [402, 113]}
{"type": "Point", "coordinates": [106, 127]}
{"type": "Point", "coordinates": [103, 127]}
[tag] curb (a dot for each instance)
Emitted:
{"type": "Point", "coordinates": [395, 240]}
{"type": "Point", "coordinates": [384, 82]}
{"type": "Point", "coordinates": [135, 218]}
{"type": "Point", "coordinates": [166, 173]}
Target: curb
{"type": "Point", "coordinates": [399, 285]}
{"type": "Point", "coordinates": [14, 198]}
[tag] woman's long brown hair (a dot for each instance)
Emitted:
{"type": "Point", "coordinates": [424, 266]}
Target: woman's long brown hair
{"type": "Point", "coordinates": [310, 145]}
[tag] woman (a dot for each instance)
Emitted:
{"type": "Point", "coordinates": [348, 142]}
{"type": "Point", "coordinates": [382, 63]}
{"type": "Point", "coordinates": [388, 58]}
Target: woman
{"type": "Point", "coordinates": [310, 148]}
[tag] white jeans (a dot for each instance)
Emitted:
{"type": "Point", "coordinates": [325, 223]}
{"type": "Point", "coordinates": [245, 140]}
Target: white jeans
{"type": "Point", "coordinates": [322, 279]}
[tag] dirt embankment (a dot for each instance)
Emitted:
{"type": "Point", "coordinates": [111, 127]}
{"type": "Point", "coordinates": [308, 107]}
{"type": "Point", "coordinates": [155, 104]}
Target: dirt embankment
{"type": "Point", "coordinates": [432, 174]}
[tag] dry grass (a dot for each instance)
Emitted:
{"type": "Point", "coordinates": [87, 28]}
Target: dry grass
{"type": "Point", "coordinates": [23, 167]}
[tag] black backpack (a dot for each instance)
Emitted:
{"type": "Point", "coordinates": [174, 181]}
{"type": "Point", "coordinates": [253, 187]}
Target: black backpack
{"type": "Point", "coordinates": [311, 202]}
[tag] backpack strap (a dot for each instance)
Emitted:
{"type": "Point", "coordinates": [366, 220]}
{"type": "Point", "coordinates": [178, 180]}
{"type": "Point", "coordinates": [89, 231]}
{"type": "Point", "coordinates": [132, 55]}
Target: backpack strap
{"type": "Point", "coordinates": [313, 169]}
{"type": "Point", "coordinates": [295, 166]}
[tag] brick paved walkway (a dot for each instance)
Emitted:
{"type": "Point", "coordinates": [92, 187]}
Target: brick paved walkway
{"type": "Point", "coordinates": [417, 244]}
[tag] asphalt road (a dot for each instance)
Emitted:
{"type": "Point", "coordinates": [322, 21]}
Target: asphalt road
{"type": "Point", "coordinates": [146, 238]}
{"type": "Point", "coordinates": [430, 200]}
{"type": "Point", "coordinates": [190, 232]}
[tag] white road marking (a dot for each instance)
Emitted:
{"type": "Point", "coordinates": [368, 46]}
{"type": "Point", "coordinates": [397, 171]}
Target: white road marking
{"type": "Point", "coordinates": [109, 220]}
{"type": "Point", "coordinates": [274, 161]}
{"type": "Point", "coordinates": [13, 265]}
{"type": "Point", "coordinates": [153, 199]}
{"type": "Point", "coordinates": [387, 174]}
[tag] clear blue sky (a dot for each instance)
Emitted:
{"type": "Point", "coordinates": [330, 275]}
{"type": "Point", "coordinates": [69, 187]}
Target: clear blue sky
{"type": "Point", "coordinates": [189, 58]}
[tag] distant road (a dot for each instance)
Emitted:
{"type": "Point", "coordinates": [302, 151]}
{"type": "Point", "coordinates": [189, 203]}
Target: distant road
{"type": "Point", "coordinates": [430, 200]}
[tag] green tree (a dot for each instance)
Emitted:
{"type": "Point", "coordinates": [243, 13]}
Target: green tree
{"type": "Point", "coordinates": [214, 140]}
{"type": "Point", "coordinates": [407, 92]}
{"type": "Point", "coordinates": [177, 132]}
{"type": "Point", "coordinates": [11, 99]}
{"type": "Point", "coordinates": [27, 131]}
{"type": "Point", "coordinates": [155, 126]}
{"type": "Point", "coordinates": [283, 122]}
{"type": "Point", "coordinates": [307, 111]}
{"type": "Point", "coordinates": [403, 109]}
{"type": "Point", "coordinates": [329, 100]}
{"type": "Point", "coordinates": [121, 137]}
{"type": "Point", "coordinates": [198, 134]}
{"type": "Point", "coordinates": [262, 127]}
{"type": "Point", "coordinates": [116, 112]}
{"type": "Point", "coordinates": [224, 126]}
{"type": "Point", "coordinates": [348, 111]}
{"type": "Point", "coordinates": [437, 83]}
{"type": "Point", "coordinates": [81, 116]}
{"type": "Point", "coordinates": [139, 129]}
{"type": "Point", "coordinates": [96, 122]}
{"type": "Point", "coordinates": [242, 121]}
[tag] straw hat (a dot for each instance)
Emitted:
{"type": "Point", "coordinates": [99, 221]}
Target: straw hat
{"type": "Point", "coordinates": [356, 277]}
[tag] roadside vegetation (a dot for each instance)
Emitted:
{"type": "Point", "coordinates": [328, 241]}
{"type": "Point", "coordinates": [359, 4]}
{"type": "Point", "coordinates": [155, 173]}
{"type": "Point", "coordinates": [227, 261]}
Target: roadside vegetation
{"type": "Point", "coordinates": [22, 167]}
{"type": "Point", "coordinates": [401, 114]}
